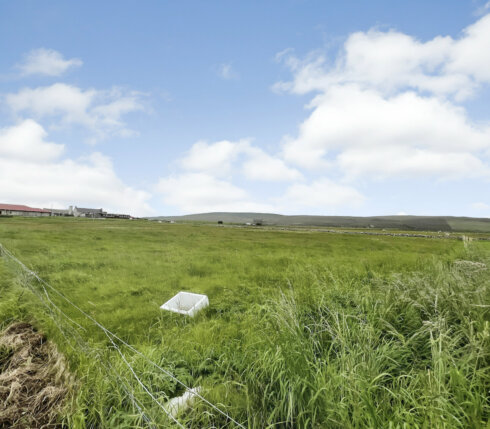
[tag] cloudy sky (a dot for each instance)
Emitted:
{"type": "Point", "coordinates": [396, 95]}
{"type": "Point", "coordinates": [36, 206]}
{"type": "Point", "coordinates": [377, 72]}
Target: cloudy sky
{"type": "Point", "coordinates": [288, 106]}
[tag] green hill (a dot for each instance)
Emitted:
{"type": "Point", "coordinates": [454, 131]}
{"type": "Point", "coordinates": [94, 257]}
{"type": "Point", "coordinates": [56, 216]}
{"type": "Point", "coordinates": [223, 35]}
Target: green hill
{"type": "Point", "coordinates": [416, 223]}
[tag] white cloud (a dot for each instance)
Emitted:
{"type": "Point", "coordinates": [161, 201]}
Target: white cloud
{"type": "Point", "coordinates": [115, 105]}
{"type": "Point", "coordinates": [46, 62]}
{"type": "Point", "coordinates": [392, 61]}
{"type": "Point", "coordinates": [225, 157]}
{"type": "Point", "coordinates": [390, 106]}
{"type": "Point", "coordinates": [321, 196]}
{"type": "Point", "coordinates": [100, 111]}
{"type": "Point", "coordinates": [363, 132]}
{"type": "Point", "coordinates": [471, 54]}
{"type": "Point", "coordinates": [201, 192]}
{"type": "Point", "coordinates": [67, 101]}
{"type": "Point", "coordinates": [264, 167]}
{"type": "Point", "coordinates": [410, 162]}
{"type": "Point", "coordinates": [227, 72]}
{"type": "Point", "coordinates": [33, 171]}
{"type": "Point", "coordinates": [216, 158]}
{"type": "Point", "coordinates": [26, 142]}
{"type": "Point", "coordinates": [209, 171]}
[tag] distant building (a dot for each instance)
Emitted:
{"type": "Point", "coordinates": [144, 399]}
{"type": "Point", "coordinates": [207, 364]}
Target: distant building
{"type": "Point", "coordinates": [59, 212]}
{"type": "Point", "coordinates": [20, 210]}
{"type": "Point", "coordinates": [96, 213]}
{"type": "Point", "coordinates": [117, 216]}
{"type": "Point", "coordinates": [92, 213]}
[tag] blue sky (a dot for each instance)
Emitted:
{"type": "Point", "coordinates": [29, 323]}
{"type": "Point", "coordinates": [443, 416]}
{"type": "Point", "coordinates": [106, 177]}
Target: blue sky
{"type": "Point", "coordinates": [313, 107]}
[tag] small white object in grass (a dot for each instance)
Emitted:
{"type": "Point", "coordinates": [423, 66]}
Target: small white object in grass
{"type": "Point", "coordinates": [181, 403]}
{"type": "Point", "coordinates": [187, 303]}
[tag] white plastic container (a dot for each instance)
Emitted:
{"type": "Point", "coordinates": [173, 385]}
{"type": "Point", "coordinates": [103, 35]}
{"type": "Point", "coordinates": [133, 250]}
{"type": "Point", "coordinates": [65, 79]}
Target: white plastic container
{"type": "Point", "coordinates": [181, 403]}
{"type": "Point", "coordinates": [186, 303]}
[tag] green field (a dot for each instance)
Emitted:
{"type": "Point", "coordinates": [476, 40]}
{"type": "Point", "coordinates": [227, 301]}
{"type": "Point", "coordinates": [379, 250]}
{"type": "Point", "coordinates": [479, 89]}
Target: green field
{"type": "Point", "coordinates": [304, 330]}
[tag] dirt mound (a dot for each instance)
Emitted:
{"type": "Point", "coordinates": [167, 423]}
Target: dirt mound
{"type": "Point", "coordinates": [33, 379]}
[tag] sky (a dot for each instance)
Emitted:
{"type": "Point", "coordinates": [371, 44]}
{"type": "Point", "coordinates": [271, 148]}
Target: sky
{"type": "Point", "coordinates": [289, 106]}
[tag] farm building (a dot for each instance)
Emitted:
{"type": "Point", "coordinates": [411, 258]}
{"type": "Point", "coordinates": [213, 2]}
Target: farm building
{"type": "Point", "coordinates": [60, 212]}
{"type": "Point", "coordinates": [93, 213]}
{"type": "Point", "coordinates": [117, 216]}
{"type": "Point", "coordinates": [20, 210]}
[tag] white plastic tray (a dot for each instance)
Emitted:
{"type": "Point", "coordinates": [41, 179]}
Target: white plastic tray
{"type": "Point", "coordinates": [187, 303]}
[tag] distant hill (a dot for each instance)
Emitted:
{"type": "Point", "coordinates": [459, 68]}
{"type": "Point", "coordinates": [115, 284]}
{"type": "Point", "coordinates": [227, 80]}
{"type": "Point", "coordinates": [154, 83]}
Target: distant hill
{"type": "Point", "coordinates": [416, 223]}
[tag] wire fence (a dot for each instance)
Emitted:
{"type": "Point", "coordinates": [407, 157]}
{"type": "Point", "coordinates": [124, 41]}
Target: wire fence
{"type": "Point", "coordinates": [71, 334]}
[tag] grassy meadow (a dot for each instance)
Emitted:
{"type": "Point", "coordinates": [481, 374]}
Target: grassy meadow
{"type": "Point", "coordinates": [304, 329]}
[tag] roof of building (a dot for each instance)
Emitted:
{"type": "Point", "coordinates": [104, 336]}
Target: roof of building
{"type": "Point", "coordinates": [82, 210]}
{"type": "Point", "coordinates": [21, 208]}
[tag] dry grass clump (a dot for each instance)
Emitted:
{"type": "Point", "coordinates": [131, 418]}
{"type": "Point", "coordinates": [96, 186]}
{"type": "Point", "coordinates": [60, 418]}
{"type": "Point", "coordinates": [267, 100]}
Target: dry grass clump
{"type": "Point", "coordinates": [33, 379]}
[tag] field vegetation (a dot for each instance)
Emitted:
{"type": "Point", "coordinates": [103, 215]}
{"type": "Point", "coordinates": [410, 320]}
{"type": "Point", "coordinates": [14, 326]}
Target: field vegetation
{"type": "Point", "coordinates": [304, 329]}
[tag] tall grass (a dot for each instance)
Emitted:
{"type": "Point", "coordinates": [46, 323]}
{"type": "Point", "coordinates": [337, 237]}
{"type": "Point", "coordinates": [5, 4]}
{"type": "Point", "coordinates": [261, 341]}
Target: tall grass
{"type": "Point", "coordinates": [404, 351]}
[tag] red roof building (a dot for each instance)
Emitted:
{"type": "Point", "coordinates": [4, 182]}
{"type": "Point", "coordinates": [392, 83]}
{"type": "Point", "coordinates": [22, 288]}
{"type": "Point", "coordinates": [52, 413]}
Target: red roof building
{"type": "Point", "coordinates": [21, 210]}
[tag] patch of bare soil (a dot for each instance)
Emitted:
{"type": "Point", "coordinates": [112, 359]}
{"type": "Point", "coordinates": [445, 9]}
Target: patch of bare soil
{"type": "Point", "coordinates": [33, 379]}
